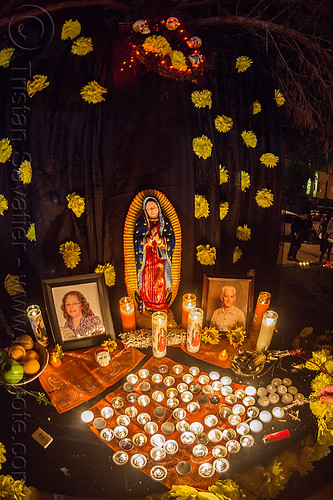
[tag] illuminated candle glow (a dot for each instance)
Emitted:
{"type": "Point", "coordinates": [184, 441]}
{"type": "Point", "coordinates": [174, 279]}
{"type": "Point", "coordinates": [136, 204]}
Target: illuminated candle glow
{"type": "Point", "coordinates": [127, 313]}
{"type": "Point", "coordinates": [194, 327]}
{"type": "Point", "coordinates": [189, 303]}
{"type": "Point", "coordinates": [263, 302]}
{"type": "Point", "coordinates": [37, 324]}
{"type": "Point", "coordinates": [266, 331]}
{"type": "Point", "coordinates": [159, 322]}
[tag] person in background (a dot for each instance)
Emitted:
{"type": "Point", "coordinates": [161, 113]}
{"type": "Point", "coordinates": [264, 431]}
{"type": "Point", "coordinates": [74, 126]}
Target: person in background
{"type": "Point", "coordinates": [325, 234]}
{"type": "Point", "coordinates": [300, 230]}
{"type": "Point", "coordinates": [326, 394]}
{"type": "Point", "coordinates": [228, 316]}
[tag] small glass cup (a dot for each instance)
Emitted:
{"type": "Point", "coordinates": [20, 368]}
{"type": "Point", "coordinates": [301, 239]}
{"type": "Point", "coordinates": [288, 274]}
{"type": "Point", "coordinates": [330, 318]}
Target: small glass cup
{"type": "Point", "coordinates": [144, 386]}
{"type": "Point", "coordinates": [201, 438]}
{"type": "Point", "coordinates": [159, 412]}
{"type": "Point", "coordinates": [128, 387]}
{"type": "Point", "coordinates": [163, 369]}
{"type": "Point", "coordinates": [195, 388]}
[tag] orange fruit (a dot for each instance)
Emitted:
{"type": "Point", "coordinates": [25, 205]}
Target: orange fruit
{"type": "Point", "coordinates": [31, 367]}
{"type": "Point", "coordinates": [31, 354]}
{"type": "Point", "coordinates": [16, 352]}
{"type": "Point", "coordinates": [25, 340]}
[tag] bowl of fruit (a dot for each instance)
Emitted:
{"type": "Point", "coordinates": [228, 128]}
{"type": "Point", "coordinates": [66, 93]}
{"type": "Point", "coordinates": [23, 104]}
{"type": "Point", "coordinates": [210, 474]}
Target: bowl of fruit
{"type": "Point", "coordinates": [23, 361]}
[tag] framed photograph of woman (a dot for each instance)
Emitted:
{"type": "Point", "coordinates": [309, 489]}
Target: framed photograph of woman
{"type": "Point", "coordinates": [78, 310]}
{"type": "Point", "coordinates": [228, 302]}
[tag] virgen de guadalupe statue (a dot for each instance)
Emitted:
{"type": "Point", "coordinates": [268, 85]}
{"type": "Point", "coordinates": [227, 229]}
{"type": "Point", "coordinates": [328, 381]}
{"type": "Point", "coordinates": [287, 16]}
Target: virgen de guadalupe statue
{"type": "Point", "coordinates": [152, 254]}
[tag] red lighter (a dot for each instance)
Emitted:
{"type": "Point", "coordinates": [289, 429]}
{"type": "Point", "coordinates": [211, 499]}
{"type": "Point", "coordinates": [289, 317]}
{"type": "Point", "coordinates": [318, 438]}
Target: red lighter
{"type": "Point", "coordinates": [276, 436]}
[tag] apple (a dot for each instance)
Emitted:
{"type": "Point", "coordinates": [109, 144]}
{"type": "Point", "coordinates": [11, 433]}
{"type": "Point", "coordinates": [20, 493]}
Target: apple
{"type": "Point", "coordinates": [12, 371]}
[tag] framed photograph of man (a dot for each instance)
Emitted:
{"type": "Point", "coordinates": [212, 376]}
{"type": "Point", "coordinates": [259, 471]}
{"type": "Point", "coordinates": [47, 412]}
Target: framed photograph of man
{"type": "Point", "coordinates": [227, 302]}
{"type": "Point", "coordinates": [78, 310]}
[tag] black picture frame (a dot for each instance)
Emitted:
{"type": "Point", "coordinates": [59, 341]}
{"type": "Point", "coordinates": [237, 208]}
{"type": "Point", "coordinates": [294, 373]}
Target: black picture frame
{"type": "Point", "coordinates": [93, 288]}
{"type": "Point", "coordinates": [211, 292]}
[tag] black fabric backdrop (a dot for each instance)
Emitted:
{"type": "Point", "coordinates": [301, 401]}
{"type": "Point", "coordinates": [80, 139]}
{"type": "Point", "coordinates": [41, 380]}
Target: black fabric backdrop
{"type": "Point", "coordinates": [140, 137]}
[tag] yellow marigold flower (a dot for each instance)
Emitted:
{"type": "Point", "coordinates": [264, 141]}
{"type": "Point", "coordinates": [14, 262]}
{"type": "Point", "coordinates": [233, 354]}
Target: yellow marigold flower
{"type": "Point", "coordinates": [110, 345]}
{"type": "Point", "coordinates": [251, 272]}
{"type": "Point", "coordinates": [201, 207]}
{"type": "Point", "coordinates": [206, 255]}
{"type": "Point", "coordinates": [223, 123]}
{"type": "Point", "coordinates": [70, 252]}
{"type": "Point", "coordinates": [237, 253]}
{"type": "Point", "coordinates": [70, 30]}
{"type": "Point", "coordinates": [202, 98]}
{"type": "Point", "coordinates": [264, 198]}
{"type": "Point", "coordinates": [5, 56]}
{"type": "Point", "coordinates": [245, 180]}
{"type": "Point", "coordinates": [178, 60]}
{"type": "Point", "coordinates": [183, 492]}
{"type": "Point", "coordinates": [82, 46]}
{"type": "Point", "coordinates": [236, 336]}
{"type": "Point", "coordinates": [279, 97]}
{"type": "Point", "coordinates": [269, 160]}
{"type": "Point", "coordinates": [12, 285]}
{"type": "Point", "coordinates": [76, 203]}
{"type": "Point", "coordinates": [6, 150]}
{"type": "Point", "coordinates": [25, 172]}
{"type": "Point", "coordinates": [109, 273]}
{"type": "Point", "coordinates": [57, 352]}
{"type": "Point", "coordinates": [224, 175]}
{"type": "Point", "coordinates": [256, 107]}
{"type": "Point", "coordinates": [226, 488]}
{"type": "Point", "coordinates": [243, 63]}
{"type": "Point", "coordinates": [224, 209]}
{"type": "Point", "coordinates": [2, 454]}
{"type": "Point", "coordinates": [243, 232]}
{"type": "Point", "coordinates": [210, 335]}
{"type": "Point", "coordinates": [157, 44]}
{"type": "Point", "coordinates": [31, 233]}
{"type": "Point", "coordinates": [92, 92]}
{"type": "Point", "coordinates": [202, 146]}
{"type": "Point", "coordinates": [3, 204]}
{"type": "Point", "coordinates": [38, 82]}
{"type": "Point", "coordinates": [249, 138]}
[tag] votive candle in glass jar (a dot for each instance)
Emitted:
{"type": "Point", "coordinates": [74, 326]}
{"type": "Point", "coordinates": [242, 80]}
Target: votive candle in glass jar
{"type": "Point", "coordinates": [37, 324]}
{"type": "Point", "coordinates": [194, 327]}
{"type": "Point", "coordinates": [189, 302]}
{"type": "Point", "coordinates": [263, 302]}
{"type": "Point", "coordinates": [266, 330]}
{"type": "Point", "coordinates": [159, 323]}
{"type": "Point", "coordinates": [127, 313]}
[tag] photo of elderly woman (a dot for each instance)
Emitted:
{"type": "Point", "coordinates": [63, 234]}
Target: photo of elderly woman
{"type": "Point", "coordinates": [80, 320]}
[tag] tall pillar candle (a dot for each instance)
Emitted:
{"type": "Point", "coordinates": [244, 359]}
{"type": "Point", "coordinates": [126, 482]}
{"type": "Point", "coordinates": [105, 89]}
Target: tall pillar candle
{"type": "Point", "coordinates": [37, 324]}
{"type": "Point", "coordinates": [263, 302]}
{"type": "Point", "coordinates": [266, 330]}
{"type": "Point", "coordinates": [189, 303]}
{"type": "Point", "coordinates": [159, 325]}
{"type": "Point", "coordinates": [194, 328]}
{"type": "Point", "coordinates": [127, 313]}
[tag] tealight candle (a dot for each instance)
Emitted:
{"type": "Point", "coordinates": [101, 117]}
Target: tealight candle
{"type": "Point", "coordinates": [287, 398]}
{"type": "Point", "coordinates": [132, 378]}
{"type": "Point", "coordinates": [195, 388]}
{"type": "Point", "coordinates": [194, 370]}
{"type": "Point", "coordinates": [247, 440]}
{"type": "Point", "coordinates": [157, 378]}
{"type": "Point", "coordinates": [224, 411]}
{"type": "Point", "coordinates": [177, 369]}
{"type": "Point", "coordinates": [214, 375]}
{"type": "Point", "coordinates": [234, 419]}
{"type": "Point", "coordinates": [107, 412]}
{"type": "Point", "coordinates": [143, 400]}
{"type": "Point", "coordinates": [240, 393]}
{"type": "Point", "coordinates": [255, 426]}
{"type": "Point", "coordinates": [223, 355]}
{"type": "Point", "coordinates": [117, 402]}
{"type": "Point", "coordinates": [143, 373]}
{"type": "Point", "coordinates": [159, 412]}
{"type": "Point", "coordinates": [143, 418]}
{"type": "Point", "coordinates": [194, 328]}
{"type": "Point", "coordinates": [120, 457]}
{"type": "Point", "coordinates": [171, 446]}
{"type": "Point", "coordinates": [252, 412]}
{"type": "Point", "coordinates": [231, 399]}
{"type": "Point", "coordinates": [263, 302]}
{"type": "Point", "coordinates": [182, 426]}
{"type": "Point", "coordinates": [219, 451]}
{"type": "Point", "coordinates": [217, 385]}
{"type": "Point", "coordinates": [299, 396]}
{"type": "Point", "coordinates": [238, 409]}
{"type": "Point", "coordinates": [278, 412]}
{"type": "Point", "coordinates": [189, 303]}
{"type": "Point", "coordinates": [249, 401]}
{"type": "Point", "coordinates": [292, 390]}
{"type": "Point", "coordinates": [276, 381]}
{"type": "Point", "coordinates": [87, 416]}
{"type": "Point", "coordinates": [132, 397]}
{"type": "Point", "coordinates": [179, 413]}
{"type": "Point", "coordinates": [168, 381]}
{"type": "Point", "coordinates": [196, 427]}
{"type": "Point", "coordinates": [187, 437]}
{"type": "Point", "coordinates": [201, 438]}
{"type": "Point", "coordinates": [242, 428]}
{"type": "Point", "coordinates": [144, 386]}
{"type": "Point", "coordinates": [202, 399]}
{"type": "Point", "coordinates": [263, 401]}
{"type": "Point", "coordinates": [172, 403]}
{"type": "Point", "coordinates": [226, 380]}
{"type": "Point", "coordinates": [120, 431]}
{"type": "Point", "coordinates": [265, 416]}
{"type": "Point", "coordinates": [226, 389]}
{"type": "Point", "coordinates": [214, 400]}
{"type": "Point", "coordinates": [281, 389]}
{"type": "Point", "coordinates": [193, 407]}
{"type": "Point", "coordinates": [261, 391]}
{"type": "Point", "coordinates": [158, 472]}
{"type": "Point", "coordinates": [128, 387]}
{"type": "Point", "coordinates": [266, 330]}
{"type": "Point", "coordinates": [138, 460]}
{"type": "Point", "coordinates": [215, 435]}
{"type": "Point", "coordinates": [233, 446]}
{"type": "Point", "coordinates": [171, 392]}
{"type": "Point", "coordinates": [131, 411]}
{"type": "Point", "coordinates": [287, 381]}
{"type": "Point", "coordinates": [157, 453]}
{"type": "Point", "coordinates": [207, 389]}
{"type": "Point", "coordinates": [229, 434]}
{"type": "Point", "coordinates": [221, 465]}
{"type": "Point", "coordinates": [186, 396]}
{"type": "Point", "coordinates": [273, 398]}
{"type": "Point", "coordinates": [182, 387]}
{"type": "Point", "coordinates": [203, 379]}
{"type": "Point", "coordinates": [211, 420]}
{"type": "Point", "coordinates": [159, 325]}
{"type": "Point", "coordinates": [250, 390]}
{"type": "Point", "coordinates": [139, 439]}
{"type": "Point", "coordinates": [271, 388]}
{"type": "Point", "coordinates": [183, 468]}
{"type": "Point", "coordinates": [123, 420]}
{"type": "Point", "coordinates": [151, 427]}
{"type": "Point", "coordinates": [167, 427]}
{"type": "Point", "coordinates": [157, 396]}
{"type": "Point", "coordinates": [206, 470]}
{"type": "Point", "coordinates": [106, 434]}
{"type": "Point", "coordinates": [163, 369]}
{"type": "Point", "coordinates": [126, 444]}
{"type": "Point", "coordinates": [200, 451]}
{"type": "Point", "coordinates": [99, 423]}
{"type": "Point", "coordinates": [127, 313]}
{"type": "Point", "coordinates": [187, 378]}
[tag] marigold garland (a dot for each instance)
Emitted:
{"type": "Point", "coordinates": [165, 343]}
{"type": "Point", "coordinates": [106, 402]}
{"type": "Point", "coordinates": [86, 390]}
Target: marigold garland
{"type": "Point", "coordinates": [269, 160]}
{"type": "Point", "coordinates": [236, 336]}
{"type": "Point", "coordinates": [70, 252]}
{"type": "Point", "coordinates": [224, 175]}
{"type": "Point", "coordinates": [236, 255]}
{"type": "Point", "coordinates": [5, 56]}
{"type": "Point", "coordinates": [38, 83]}
{"type": "Point", "coordinates": [109, 273]}
{"type": "Point", "coordinates": [279, 98]}
{"type": "Point", "coordinates": [12, 285]}
{"type": "Point", "coordinates": [82, 46]}
{"type": "Point", "coordinates": [206, 255]}
{"type": "Point", "coordinates": [264, 198]}
{"type": "Point", "coordinates": [243, 232]}
{"type": "Point", "coordinates": [245, 180]}
{"type": "Point", "coordinates": [31, 233]}
{"type": "Point", "coordinates": [224, 209]}
{"type": "Point", "coordinates": [210, 335]}
{"type": "Point", "coordinates": [201, 207]}
{"type": "Point", "coordinates": [3, 204]}
{"type": "Point", "coordinates": [157, 44]}
{"type": "Point", "coordinates": [256, 107]}
{"type": "Point", "coordinates": [249, 138]}
{"type": "Point", "coordinates": [92, 92]}
{"type": "Point", "coordinates": [202, 98]}
{"type": "Point", "coordinates": [178, 60]}
{"type": "Point", "coordinates": [70, 30]}
{"type": "Point", "coordinates": [6, 150]}
{"type": "Point", "coordinates": [76, 203]}
{"type": "Point", "coordinates": [25, 172]}
{"type": "Point", "coordinates": [202, 146]}
{"type": "Point", "coordinates": [243, 63]}
{"type": "Point", "coordinates": [223, 123]}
